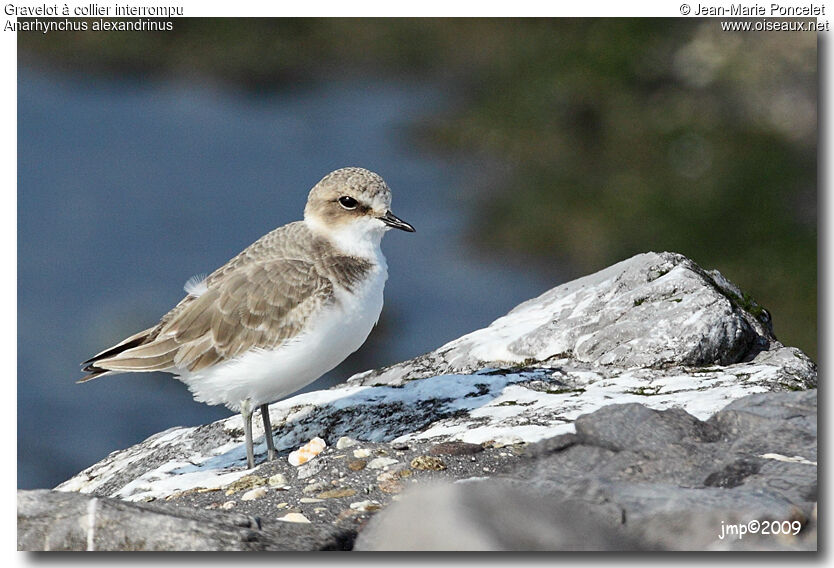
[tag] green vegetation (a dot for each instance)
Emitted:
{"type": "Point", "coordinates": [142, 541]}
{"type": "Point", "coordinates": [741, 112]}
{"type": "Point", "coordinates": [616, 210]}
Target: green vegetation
{"type": "Point", "coordinates": [609, 137]}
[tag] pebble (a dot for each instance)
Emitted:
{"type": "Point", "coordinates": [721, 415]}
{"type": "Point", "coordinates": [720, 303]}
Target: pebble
{"type": "Point", "coordinates": [310, 500]}
{"type": "Point", "coordinates": [314, 487]}
{"type": "Point", "coordinates": [400, 446]}
{"type": "Point", "coordinates": [428, 463]}
{"type": "Point", "coordinates": [307, 452]}
{"type": "Point", "coordinates": [277, 480]}
{"type": "Point", "coordinates": [365, 506]}
{"type": "Point", "coordinates": [310, 469]}
{"type": "Point", "coordinates": [245, 482]}
{"type": "Point", "coordinates": [394, 475]}
{"type": "Point", "coordinates": [337, 493]}
{"type": "Point", "coordinates": [345, 442]}
{"type": "Point", "coordinates": [390, 486]}
{"type": "Point", "coordinates": [294, 518]}
{"type": "Point", "coordinates": [379, 463]}
{"type": "Point", "coordinates": [456, 448]}
{"type": "Point", "coordinates": [389, 481]}
{"type": "Point", "coordinates": [228, 505]}
{"type": "Point", "coordinates": [255, 493]}
{"type": "Point", "coordinates": [356, 465]}
{"type": "Point", "coordinates": [361, 453]}
{"type": "Point", "coordinates": [282, 505]}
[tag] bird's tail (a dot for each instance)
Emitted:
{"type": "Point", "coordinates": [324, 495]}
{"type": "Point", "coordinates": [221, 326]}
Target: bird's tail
{"type": "Point", "coordinates": [122, 357]}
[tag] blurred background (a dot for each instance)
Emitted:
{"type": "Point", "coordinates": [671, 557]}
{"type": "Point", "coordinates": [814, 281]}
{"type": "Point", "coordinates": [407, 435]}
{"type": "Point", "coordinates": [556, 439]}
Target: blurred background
{"type": "Point", "coordinates": [526, 152]}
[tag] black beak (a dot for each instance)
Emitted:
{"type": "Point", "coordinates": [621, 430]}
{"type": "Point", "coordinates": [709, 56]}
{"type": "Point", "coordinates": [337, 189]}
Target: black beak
{"type": "Point", "coordinates": [395, 222]}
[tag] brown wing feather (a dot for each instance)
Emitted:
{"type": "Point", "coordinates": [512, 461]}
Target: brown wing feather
{"type": "Point", "coordinates": [257, 306]}
{"type": "Point", "coordinates": [258, 299]}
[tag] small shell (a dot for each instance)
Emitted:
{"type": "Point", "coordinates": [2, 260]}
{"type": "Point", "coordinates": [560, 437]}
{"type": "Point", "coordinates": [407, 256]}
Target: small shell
{"type": "Point", "coordinates": [307, 452]}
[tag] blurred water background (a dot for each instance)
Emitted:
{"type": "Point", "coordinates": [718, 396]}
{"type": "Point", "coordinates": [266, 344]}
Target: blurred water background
{"type": "Point", "coordinates": [526, 153]}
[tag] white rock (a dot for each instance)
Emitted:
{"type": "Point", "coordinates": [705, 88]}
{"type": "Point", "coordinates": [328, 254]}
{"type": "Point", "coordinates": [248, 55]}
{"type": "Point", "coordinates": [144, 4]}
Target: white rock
{"type": "Point", "coordinates": [278, 480]}
{"type": "Point", "coordinates": [255, 493]}
{"type": "Point", "coordinates": [294, 518]}
{"type": "Point", "coordinates": [345, 442]}
{"type": "Point", "coordinates": [307, 452]}
{"type": "Point", "coordinates": [310, 469]}
{"type": "Point", "coordinates": [365, 506]}
{"type": "Point", "coordinates": [379, 463]}
{"type": "Point", "coordinates": [361, 453]}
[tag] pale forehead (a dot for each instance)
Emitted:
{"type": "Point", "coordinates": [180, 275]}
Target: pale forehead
{"type": "Point", "coordinates": [355, 182]}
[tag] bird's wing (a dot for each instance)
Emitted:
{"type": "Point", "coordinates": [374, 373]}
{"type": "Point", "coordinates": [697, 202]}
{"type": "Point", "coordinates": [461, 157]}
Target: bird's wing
{"type": "Point", "coordinates": [258, 305]}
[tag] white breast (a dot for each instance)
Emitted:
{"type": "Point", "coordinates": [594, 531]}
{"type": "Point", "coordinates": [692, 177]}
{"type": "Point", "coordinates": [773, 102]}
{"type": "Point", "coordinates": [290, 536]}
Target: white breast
{"type": "Point", "coordinates": [331, 335]}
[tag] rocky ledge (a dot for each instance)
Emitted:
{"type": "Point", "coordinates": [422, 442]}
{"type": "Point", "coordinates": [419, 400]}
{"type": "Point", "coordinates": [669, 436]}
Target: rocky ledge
{"type": "Point", "coordinates": [647, 406]}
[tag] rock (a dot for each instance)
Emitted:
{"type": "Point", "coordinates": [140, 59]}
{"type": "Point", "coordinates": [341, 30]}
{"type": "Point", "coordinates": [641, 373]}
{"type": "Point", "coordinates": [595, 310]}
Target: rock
{"type": "Point", "coordinates": [345, 442]}
{"type": "Point", "coordinates": [489, 515]}
{"type": "Point", "coordinates": [313, 487]}
{"type": "Point", "coordinates": [389, 481]}
{"type": "Point", "coordinates": [277, 480]}
{"type": "Point", "coordinates": [309, 469]}
{"type": "Point", "coordinates": [631, 478]}
{"type": "Point", "coordinates": [606, 393]}
{"type": "Point", "coordinates": [667, 464]}
{"type": "Point", "coordinates": [294, 518]}
{"type": "Point", "coordinates": [53, 520]}
{"type": "Point", "coordinates": [356, 465]}
{"type": "Point", "coordinates": [256, 493]}
{"type": "Point", "coordinates": [366, 505]}
{"type": "Point", "coordinates": [337, 493]}
{"type": "Point", "coordinates": [650, 310]}
{"type": "Point", "coordinates": [245, 483]}
{"type": "Point", "coordinates": [307, 452]}
{"type": "Point", "coordinates": [428, 462]}
{"type": "Point", "coordinates": [379, 463]}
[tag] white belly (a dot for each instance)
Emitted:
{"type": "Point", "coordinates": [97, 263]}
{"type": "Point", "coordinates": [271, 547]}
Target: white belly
{"type": "Point", "coordinates": [266, 376]}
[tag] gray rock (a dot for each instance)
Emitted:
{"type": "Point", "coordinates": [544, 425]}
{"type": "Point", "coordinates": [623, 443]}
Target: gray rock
{"type": "Point", "coordinates": [631, 478]}
{"type": "Point", "coordinates": [52, 520]}
{"type": "Point", "coordinates": [650, 310]}
{"type": "Point", "coordinates": [617, 383]}
{"type": "Point", "coordinates": [755, 460]}
{"type": "Point", "coordinates": [490, 515]}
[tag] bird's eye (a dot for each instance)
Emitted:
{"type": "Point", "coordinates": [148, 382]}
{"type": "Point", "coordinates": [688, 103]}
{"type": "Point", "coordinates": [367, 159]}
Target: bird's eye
{"type": "Point", "coordinates": [348, 202]}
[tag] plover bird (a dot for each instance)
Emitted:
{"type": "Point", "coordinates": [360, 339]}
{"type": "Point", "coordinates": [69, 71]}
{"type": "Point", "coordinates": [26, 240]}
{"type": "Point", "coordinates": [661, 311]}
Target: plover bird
{"type": "Point", "coordinates": [280, 314]}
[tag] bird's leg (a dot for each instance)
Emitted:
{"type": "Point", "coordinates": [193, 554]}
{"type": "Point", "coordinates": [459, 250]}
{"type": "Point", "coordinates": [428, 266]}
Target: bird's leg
{"type": "Point", "coordinates": [246, 414]}
{"type": "Point", "coordinates": [270, 445]}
